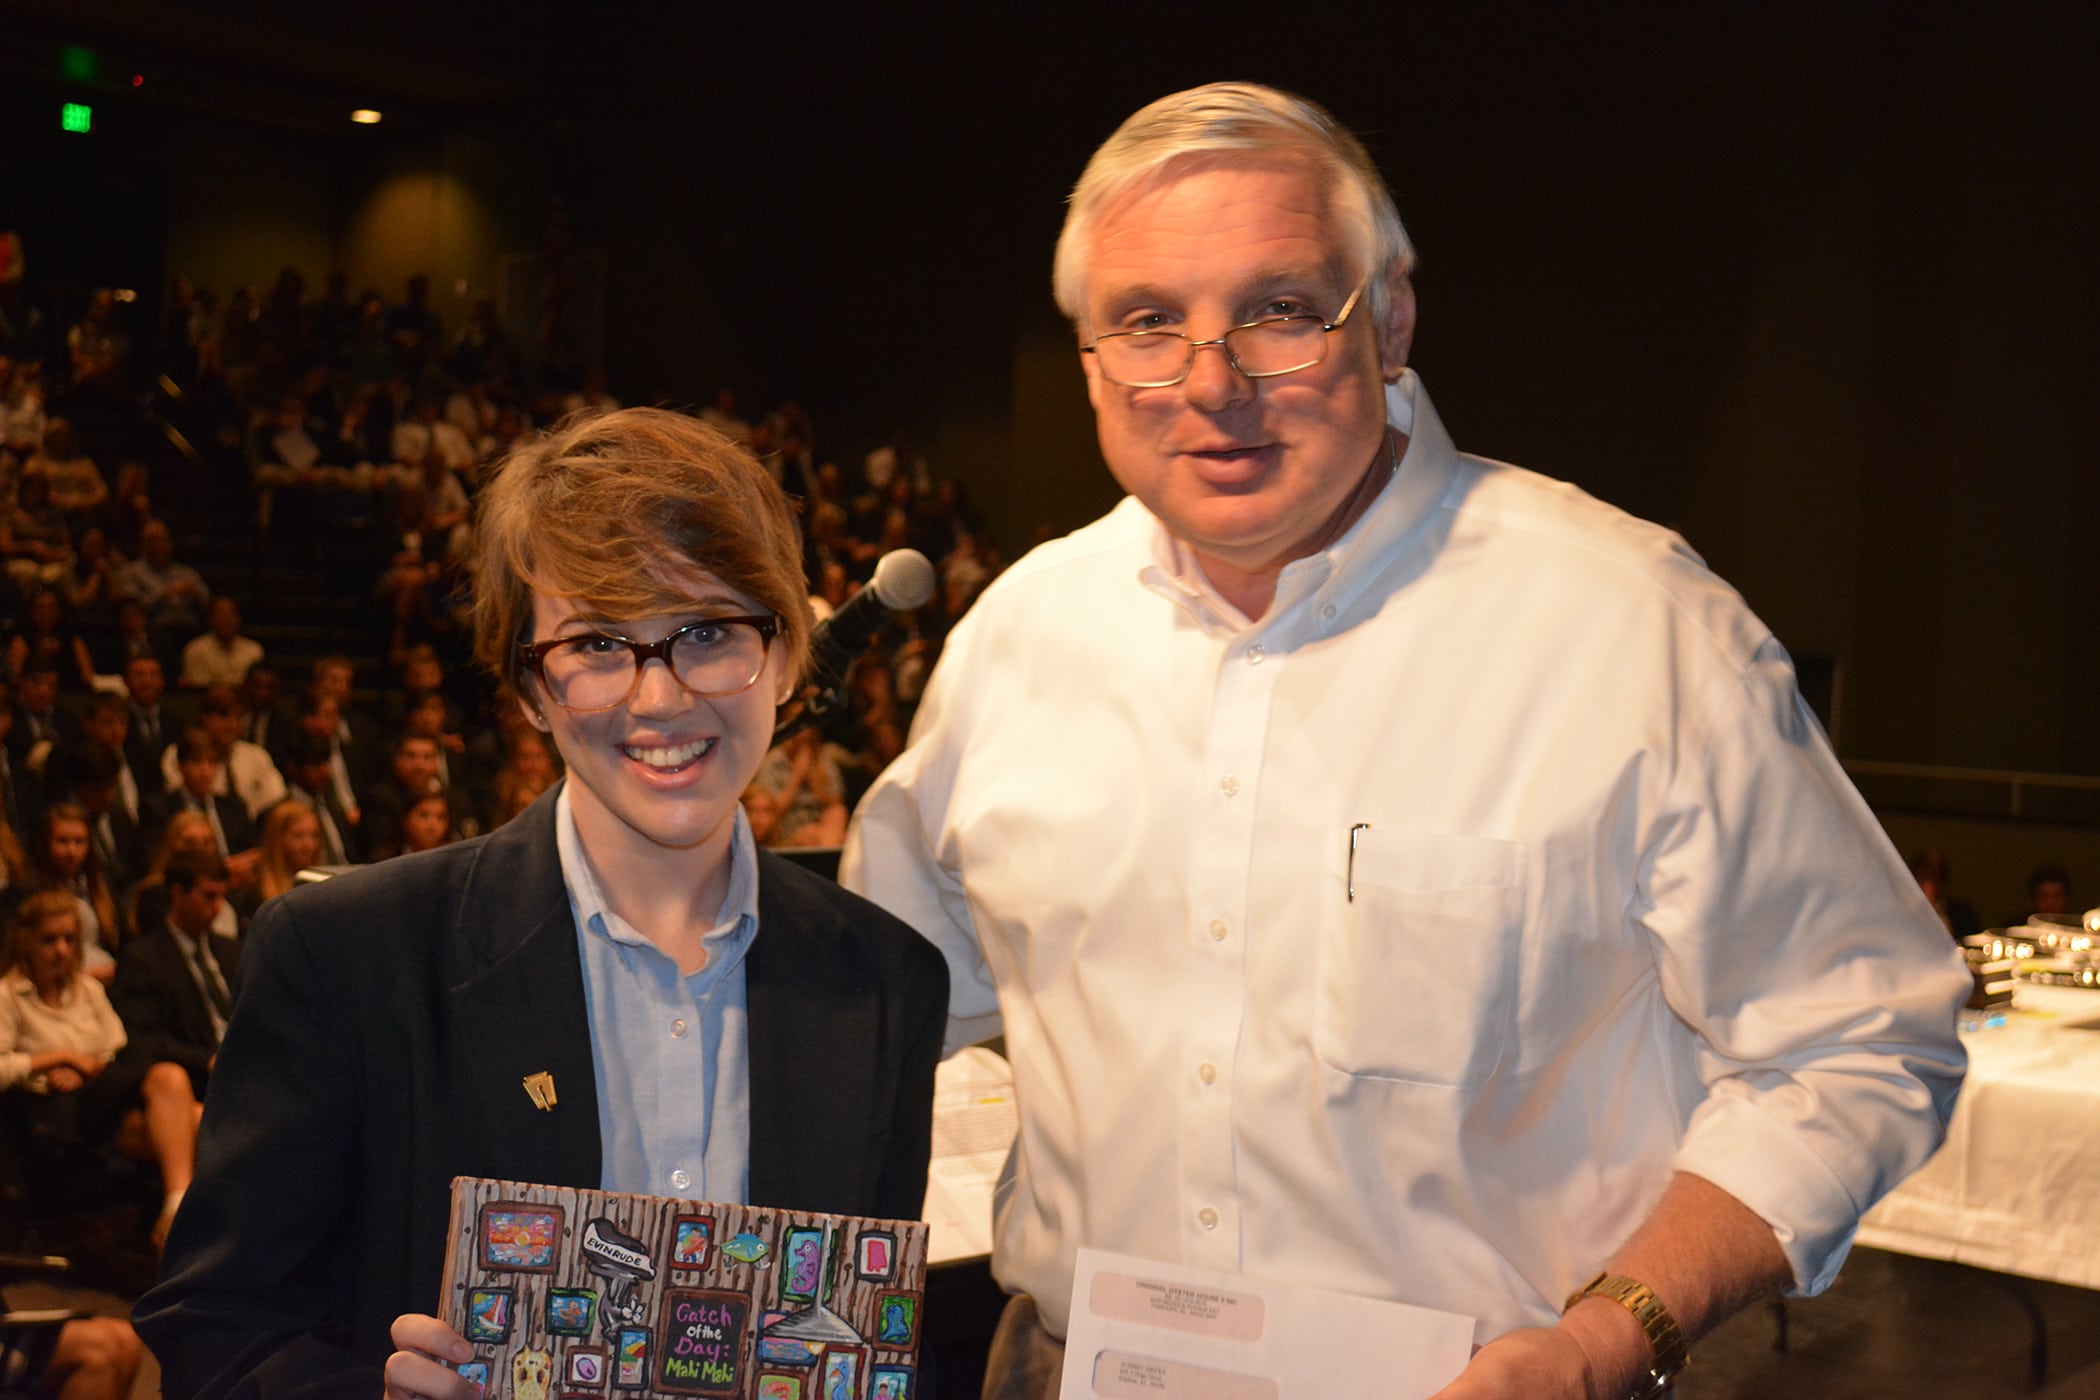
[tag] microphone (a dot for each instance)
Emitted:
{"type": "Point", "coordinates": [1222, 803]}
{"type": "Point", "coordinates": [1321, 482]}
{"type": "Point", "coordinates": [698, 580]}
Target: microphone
{"type": "Point", "coordinates": [903, 580]}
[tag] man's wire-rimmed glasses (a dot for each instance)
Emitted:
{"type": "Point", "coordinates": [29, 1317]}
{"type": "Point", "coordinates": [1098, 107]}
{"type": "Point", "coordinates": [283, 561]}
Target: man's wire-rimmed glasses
{"type": "Point", "coordinates": [592, 671]}
{"type": "Point", "coordinates": [1259, 349]}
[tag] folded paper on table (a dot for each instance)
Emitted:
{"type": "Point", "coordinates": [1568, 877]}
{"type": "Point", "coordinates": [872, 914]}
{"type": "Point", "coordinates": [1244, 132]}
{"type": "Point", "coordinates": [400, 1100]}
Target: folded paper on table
{"type": "Point", "coordinates": [1168, 1332]}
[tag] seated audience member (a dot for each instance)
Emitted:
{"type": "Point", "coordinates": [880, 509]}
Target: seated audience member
{"type": "Point", "coordinates": [426, 718]}
{"type": "Point", "coordinates": [412, 775]}
{"type": "Point", "coordinates": [156, 719]}
{"type": "Point", "coordinates": [106, 720]}
{"type": "Point", "coordinates": [291, 841]}
{"type": "Point", "coordinates": [527, 772]}
{"type": "Point", "coordinates": [89, 775]}
{"type": "Point", "coordinates": [41, 722]}
{"type": "Point", "coordinates": [427, 825]}
{"type": "Point", "coordinates": [199, 775]}
{"type": "Point", "coordinates": [266, 717]}
{"type": "Point", "coordinates": [49, 639]}
{"type": "Point", "coordinates": [355, 737]}
{"type": "Point", "coordinates": [222, 655]}
{"type": "Point", "coordinates": [175, 987]}
{"type": "Point", "coordinates": [89, 590]}
{"type": "Point", "coordinates": [644, 525]}
{"type": "Point", "coordinates": [114, 651]}
{"type": "Point", "coordinates": [77, 486]}
{"type": "Point", "coordinates": [173, 595]}
{"type": "Point", "coordinates": [1934, 872]}
{"type": "Point", "coordinates": [130, 507]}
{"type": "Point", "coordinates": [803, 776]}
{"type": "Point", "coordinates": [63, 858]}
{"type": "Point", "coordinates": [310, 780]}
{"type": "Point", "coordinates": [246, 772]}
{"type": "Point", "coordinates": [35, 544]}
{"type": "Point", "coordinates": [187, 833]}
{"type": "Point", "coordinates": [89, 1086]}
{"type": "Point", "coordinates": [2049, 893]}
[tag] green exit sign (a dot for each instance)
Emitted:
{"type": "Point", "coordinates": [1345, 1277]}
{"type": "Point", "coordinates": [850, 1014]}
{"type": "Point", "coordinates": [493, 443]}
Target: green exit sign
{"type": "Point", "coordinates": [76, 116]}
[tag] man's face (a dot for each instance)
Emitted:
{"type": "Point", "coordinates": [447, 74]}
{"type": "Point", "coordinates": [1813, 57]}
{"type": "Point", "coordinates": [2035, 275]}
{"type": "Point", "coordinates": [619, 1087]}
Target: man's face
{"type": "Point", "coordinates": [106, 725]}
{"type": "Point", "coordinates": [323, 719]}
{"type": "Point", "coordinates": [144, 680]}
{"type": "Point", "coordinates": [39, 689]}
{"type": "Point", "coordinates": [1250, 473]}
{"type": "Point", "coordinates": [200, 774]}
{"type": "Point", "coordinates": [193, 909]}
{"type": "Point", "coordinates": [416, 765]}
{"type": "Point", "coordinates": [225, 619]}
{"type": "Point", "coordinates": [223, 726]}
{"type": "Point", "coordinates": [155, 544]}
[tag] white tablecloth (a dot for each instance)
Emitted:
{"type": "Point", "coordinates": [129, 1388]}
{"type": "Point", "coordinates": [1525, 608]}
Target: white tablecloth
{"type": "Point", "coordinates": [2016, 1187]}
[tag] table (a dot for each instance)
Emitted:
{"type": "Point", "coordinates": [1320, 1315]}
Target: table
{"type": "Point", "coordinates": [2016, 1186]}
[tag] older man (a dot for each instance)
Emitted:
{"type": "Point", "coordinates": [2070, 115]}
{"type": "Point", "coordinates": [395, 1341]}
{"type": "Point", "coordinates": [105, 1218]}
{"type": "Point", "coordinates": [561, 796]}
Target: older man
{"type": "Point", "coordinates": [1392, 870]}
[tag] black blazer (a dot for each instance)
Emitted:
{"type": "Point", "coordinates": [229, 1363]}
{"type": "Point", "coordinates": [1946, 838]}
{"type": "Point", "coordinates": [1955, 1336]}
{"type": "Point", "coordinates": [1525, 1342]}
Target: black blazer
{"type": "Point", "coordinates": [164, 1014]}
{"type": "Point", "coordinates": [383, 1027]}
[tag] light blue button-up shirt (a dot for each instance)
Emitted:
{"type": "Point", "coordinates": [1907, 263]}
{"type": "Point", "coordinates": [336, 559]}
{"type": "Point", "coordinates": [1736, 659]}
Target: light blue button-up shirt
{"type": "Point", "coordinates": [670, 1053]}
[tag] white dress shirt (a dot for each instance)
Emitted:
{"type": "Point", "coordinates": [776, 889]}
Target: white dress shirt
{"type": "Point", "coordinates": [1612, 909]}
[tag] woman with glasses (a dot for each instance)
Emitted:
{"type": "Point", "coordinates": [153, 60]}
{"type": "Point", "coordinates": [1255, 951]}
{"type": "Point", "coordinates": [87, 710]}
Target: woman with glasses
{"type": "Point", "coordinates": [716, 1023]}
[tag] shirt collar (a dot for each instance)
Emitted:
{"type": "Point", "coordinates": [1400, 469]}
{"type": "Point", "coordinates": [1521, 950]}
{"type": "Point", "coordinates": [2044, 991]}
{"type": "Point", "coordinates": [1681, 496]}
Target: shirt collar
{"type": "Point", "coordinates": [1334, 576]}
{"type": "Point", "coordinates": [187, 944]}
{"type": "Point", "coordinates": [736, 923]}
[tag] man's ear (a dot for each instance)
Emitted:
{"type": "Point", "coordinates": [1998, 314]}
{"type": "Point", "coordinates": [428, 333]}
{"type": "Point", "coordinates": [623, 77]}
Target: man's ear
{"type": "Point", "coordinates": [1396, 329]}
{"type": "Point", "coordinates": [1090, 366]}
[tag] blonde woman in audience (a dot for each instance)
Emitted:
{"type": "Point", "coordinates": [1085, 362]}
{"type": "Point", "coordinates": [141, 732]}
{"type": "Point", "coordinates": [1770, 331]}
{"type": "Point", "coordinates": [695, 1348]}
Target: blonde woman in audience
{"type": "Point", "coordinates": [291, 841]}
{"type": "Point", "coordinates": [60, 1042]}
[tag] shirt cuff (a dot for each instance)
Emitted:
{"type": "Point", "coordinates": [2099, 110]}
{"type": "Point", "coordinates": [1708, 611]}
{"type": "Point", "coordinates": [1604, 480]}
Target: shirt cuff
{"type": "Point", "coordinates": [1765, 1165]}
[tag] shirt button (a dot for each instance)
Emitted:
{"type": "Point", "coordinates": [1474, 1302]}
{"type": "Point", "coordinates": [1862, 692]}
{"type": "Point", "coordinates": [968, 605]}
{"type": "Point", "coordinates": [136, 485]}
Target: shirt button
{"type": "Point", "coordinates": [1208, 1073]}
{"type": "Point", "coordinates": [681, 1179]}
{"type": "Point", "coordinates": [678, 1029]}
{"type": "Point", "coordinates": [1208, 1218]}
{"type": "Point", "coordinates": [1328, 611]}
{"type": "Point", "coordinates": [1230, 786]}
{"type": "Point", "coordinates": [1255, 654]}
{"type": "Point", "coordinates": [1218, 929]}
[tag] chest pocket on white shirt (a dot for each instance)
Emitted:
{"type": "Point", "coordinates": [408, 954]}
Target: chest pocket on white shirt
{"type": "Point", "coordinates": [1417, 973]}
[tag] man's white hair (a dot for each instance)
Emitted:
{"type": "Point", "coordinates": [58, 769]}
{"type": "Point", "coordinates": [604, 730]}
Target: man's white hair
{"type": "Point", "coordinates": [1236, 124]}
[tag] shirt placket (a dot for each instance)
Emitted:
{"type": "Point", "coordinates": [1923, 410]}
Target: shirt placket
{"type": "Point", "coordinates": [1222, 855]}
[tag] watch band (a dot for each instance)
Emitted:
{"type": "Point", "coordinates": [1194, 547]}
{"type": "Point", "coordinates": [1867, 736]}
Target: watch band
{"type": "Point", "coordinates": [1664, 1340]}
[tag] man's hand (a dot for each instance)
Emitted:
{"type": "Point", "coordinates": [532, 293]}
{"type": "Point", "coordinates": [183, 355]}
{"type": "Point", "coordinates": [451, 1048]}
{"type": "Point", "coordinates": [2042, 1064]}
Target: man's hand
{"type": "Point", "coordinates": [1591, 1355]}
{"type": "Point", "coordinates": [421, 1367]}
{"type": "Point", "coordinates": [1532, 1363]}
{"type": "Point", "coordinates": [63, 1080]}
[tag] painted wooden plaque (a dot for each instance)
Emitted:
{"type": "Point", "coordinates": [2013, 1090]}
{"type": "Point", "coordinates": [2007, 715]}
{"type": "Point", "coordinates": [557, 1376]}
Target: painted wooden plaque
{"type": "Point", "coordinates": [586, 1295]}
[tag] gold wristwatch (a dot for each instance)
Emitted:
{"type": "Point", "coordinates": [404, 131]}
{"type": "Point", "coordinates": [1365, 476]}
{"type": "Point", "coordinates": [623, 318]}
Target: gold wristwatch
{"type": "Point", "coordinates": [1664, 1340]}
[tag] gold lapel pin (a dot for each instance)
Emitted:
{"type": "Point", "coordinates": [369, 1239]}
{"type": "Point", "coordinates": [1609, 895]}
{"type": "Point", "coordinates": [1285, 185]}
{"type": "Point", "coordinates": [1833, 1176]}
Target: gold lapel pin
{"type": "Point", "coordinates": [539, 1087]}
